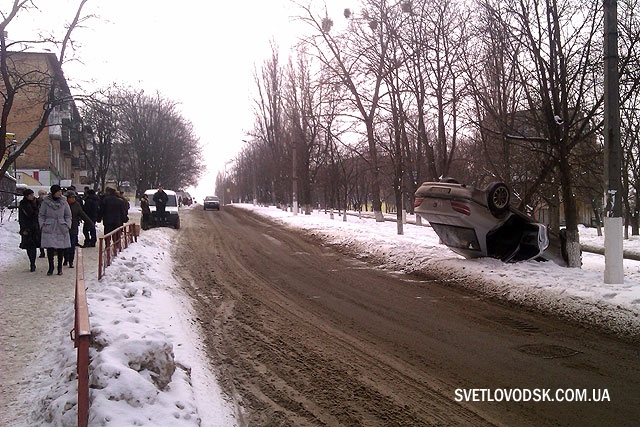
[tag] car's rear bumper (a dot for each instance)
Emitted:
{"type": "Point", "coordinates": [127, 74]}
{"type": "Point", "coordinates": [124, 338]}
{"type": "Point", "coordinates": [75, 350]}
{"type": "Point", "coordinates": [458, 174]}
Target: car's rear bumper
{"type": "Point", "coordinates": [170, 220]}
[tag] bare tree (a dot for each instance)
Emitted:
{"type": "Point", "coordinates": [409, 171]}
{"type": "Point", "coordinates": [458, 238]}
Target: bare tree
{"type": "Point", "coordinates": [554, 47]}
{"type": "Point", "coordinates": [101, 116]}
{"type": "Point", "coordinates": [269, 129]}
{"type": "Point", "coordinates": [158, 145]}
{"type": "Point", "coordinates": [301, 105]}
{"type": "Point", "coordinates": [355, 57]}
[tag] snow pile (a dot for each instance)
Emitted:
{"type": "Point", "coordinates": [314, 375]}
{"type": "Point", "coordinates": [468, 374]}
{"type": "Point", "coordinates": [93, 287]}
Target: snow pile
{"type": "Point", "coordinates": [132, 360]}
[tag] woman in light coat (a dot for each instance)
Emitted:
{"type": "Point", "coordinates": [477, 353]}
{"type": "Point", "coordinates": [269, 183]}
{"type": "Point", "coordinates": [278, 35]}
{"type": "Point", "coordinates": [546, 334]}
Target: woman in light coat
{"type": "Point", "coordinates": [55, 223]}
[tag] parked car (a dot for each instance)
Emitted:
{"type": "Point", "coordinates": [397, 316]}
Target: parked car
{"type": "Point", "coordinates": [211, 202]}
{"type": "Point", "coordinates": [480, 223]}
{"type": "Point", "coordinates": [172, 213]}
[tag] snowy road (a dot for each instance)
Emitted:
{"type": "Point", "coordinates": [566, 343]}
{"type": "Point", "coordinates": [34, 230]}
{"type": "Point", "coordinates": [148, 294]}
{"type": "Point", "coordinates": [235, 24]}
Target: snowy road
{"type": "Point", "coordinates": [303, 334]}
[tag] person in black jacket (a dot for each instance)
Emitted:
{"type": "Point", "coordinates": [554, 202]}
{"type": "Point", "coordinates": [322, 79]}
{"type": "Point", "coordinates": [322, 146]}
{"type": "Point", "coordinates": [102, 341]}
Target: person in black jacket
{"type": "Point", "coordinates": [77, 214]}
{"type": "Point", "coordinates": [113, 211]}
{"type": "Point", "coordinates": [92, 209]}
{"type": "Point", "coordinates": [41, 195]}
{"type": "Point", "coordinates": [29, 226]}
{"type": "Point", "coordinates": [146, 212]}
{"type": "Point", "coordinates": [161, 199]}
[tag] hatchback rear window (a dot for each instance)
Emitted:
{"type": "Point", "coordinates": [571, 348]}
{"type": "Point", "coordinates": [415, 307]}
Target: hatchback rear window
{"type": "Point", "coordinates": [457, 237]}
{"type": "Point", "coordinates": [171, 202]}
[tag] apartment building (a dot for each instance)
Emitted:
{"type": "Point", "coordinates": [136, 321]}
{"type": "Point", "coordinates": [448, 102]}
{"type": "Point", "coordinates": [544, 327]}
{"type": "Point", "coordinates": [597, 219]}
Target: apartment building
{"type": "Point", "coordinates": [57, 155]}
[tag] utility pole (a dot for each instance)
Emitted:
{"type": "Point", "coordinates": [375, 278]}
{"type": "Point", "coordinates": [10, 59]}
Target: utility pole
{"type": "Point", "coordinates": [613, 270]}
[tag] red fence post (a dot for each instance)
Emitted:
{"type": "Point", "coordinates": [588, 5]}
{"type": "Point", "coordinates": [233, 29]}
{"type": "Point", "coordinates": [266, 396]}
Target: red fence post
{"type": "Point", "coordinates": [113, 242]}
{"type": "Point", "coordinates": [81, 336]}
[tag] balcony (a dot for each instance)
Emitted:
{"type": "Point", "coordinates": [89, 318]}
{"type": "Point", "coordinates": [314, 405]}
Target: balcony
{"type": "Point", "coordinates": [55, 131]}
{"type": "Point", "coordinates": [65, 145]}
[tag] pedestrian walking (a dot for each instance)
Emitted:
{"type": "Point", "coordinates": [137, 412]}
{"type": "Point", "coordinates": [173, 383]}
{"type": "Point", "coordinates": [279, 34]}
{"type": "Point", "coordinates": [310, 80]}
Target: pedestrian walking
{"type": "Point", "coordinates": [161, 199]}
{"type": "Point", "coordinates": [92, 209]}
{"type": "Point", "coordinates": [77, 214]}
{"type": "Point", "coordinates": [29, 227]}
{"type": "Point", "coordinates": [55, 222]}
{"type": "Point", "coordinates": [41, 195]}
{"type": "Point", "coordinates": [113, 211]}
{"type": "Point", "coordinates": [146, 212]}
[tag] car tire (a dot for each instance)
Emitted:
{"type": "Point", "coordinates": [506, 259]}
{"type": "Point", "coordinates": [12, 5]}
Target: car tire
{"type": "Point", "coordinates": [449, 180]}
{"type": "Point", "coordinates": [177, 224]}
{"type": "Point", "coordinates": [498, 198]}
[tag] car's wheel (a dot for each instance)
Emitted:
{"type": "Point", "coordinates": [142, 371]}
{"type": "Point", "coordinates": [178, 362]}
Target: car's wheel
{"type": "Point", "coordinates": [498, 197]}
{"type": "Point", "coordinates": [449, 180]}
{"type": "Point", "coordinates": [177, 224]}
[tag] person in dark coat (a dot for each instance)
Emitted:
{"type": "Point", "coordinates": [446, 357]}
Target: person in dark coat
{"type": "Point", "coordinates": [146, 212]}
{"type": "Point", "coordinates": [77, 214]}
{"type": "Point", "coordinates": [41, 195]}
{"type": "Point", "coordinates": [113, 211]}
{"type": "Point", "coordinates": [92, 209]}
{"type": "Point", "coordinates": [161, 199]}
{"type": "Point", "coordinates": [29, 227]}
{"type": "Point", "coordinates": [55, 222]}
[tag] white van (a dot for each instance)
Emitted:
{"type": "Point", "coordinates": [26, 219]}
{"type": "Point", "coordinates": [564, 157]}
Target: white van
{"type": "Point", "coordinates": [172, 217]}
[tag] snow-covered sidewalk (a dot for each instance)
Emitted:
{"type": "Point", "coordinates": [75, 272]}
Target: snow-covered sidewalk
{"type": "Point", "coordinates": [148, 365]}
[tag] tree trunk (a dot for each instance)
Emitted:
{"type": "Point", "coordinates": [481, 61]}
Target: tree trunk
{"type": "Point", "coordinates": [570, 211]}
{"type": "Point", "coordinates": [376, 203]}
{"type": "Point", "coordinates": [574, 253]}
{"type": "Point", "coordinates": [399, 210]}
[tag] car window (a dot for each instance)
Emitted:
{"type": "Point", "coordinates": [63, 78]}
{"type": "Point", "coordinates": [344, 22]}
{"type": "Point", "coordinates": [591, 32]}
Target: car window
{"type": "Point", "coordinates": [172, 200]}
{"type": "Point", "coordinates": [457, 237]}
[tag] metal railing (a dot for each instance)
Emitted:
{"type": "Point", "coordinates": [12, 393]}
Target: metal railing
{"type": "Point", "coordinates": [81, 337]}
{"type": "Point", "coordinates": [110, 245]}
{"type": "Point", "coordinates": [114, 242]}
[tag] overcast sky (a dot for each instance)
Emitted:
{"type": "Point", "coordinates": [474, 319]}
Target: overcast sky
{"type": "Point", "coordinates": [199, 53]}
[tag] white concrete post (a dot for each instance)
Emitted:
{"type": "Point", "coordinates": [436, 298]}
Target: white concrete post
{"type": "Point", "coordinates": [613, 251]}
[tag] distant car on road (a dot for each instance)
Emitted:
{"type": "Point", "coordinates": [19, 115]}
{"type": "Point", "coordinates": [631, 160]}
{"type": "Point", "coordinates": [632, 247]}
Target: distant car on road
{"type": "Point", "coordinates": [211, 202]}
{"type": "Point", "coordinates": [172, 215]}
{"type": "Point", "coordinates": [480, 223]}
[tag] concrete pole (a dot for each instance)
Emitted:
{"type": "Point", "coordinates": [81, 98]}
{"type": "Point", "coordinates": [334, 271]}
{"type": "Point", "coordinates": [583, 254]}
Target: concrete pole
{"type": "Point", "coordinates": [613, 270]}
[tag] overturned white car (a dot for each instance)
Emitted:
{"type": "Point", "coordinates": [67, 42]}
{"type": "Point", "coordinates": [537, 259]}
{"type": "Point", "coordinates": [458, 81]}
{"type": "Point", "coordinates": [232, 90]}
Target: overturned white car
{"type": "Point", "coordinates": [480, 223]}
